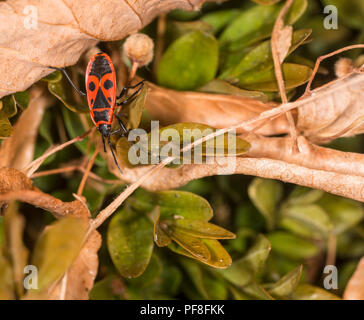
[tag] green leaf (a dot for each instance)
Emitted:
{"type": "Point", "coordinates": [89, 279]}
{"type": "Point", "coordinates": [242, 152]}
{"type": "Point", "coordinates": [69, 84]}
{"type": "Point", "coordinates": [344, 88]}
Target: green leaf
{"type": "Point", "coordinates": [160, 237]}
{"type": "Point", "coordinates": [57, 248]}
{"type": "Point", "coordinates": [173, 203]}
{"type": "Point", "coordinates": [57, 89]}
{"type": "Point", "coordinates": [150, 275]}
{"type": "Point", "coordinates": [219, 258]}
{"type": "Point", "coordinates": [219, 19]}
{"type": "Point", "coordinates": [130, 242]}
{"type": "Point", "coordinates": [135, 108]}
{"type": "Point", "coordinates": [177, 29]}
{"type": "Point", "coordinates": [198, 229]}
{"type": "Point", "coordinates": [6, 279]}
{"type": "Point", "coordinates": [22, 98]}
{"type": "Point", "coordinates": [192, 245]}
{"type": "Point", "coordinates": [8, 106]}
{"type": "Point", "coordinates": [266, 2]}
{"type": "Point", "coordinates": [292, 246]}
{"type": "Point", "coordinates": [5, 126]}
{"type": "Point", "coordinates": [248, 22]}
{"type": "Point", "coordinates": [257, 291]}
{"type": "Point", "coordinates": [196, 275]}
{"type": "Point", "coordinates": [264, 80]}
{"type": "Point", "coordinates": [304, 196]}
{"type": "Point", "coordinates": [224, 87]}
{"type": "Point", "coordinates": [311, 216]}
{"type": "Point", "coordinates": [306, 291]}
{"type": "Point", "coordinates": [189, 62]}
{"type": "Point", "coordinates": [295, 12]}
{"type": "Point", "coordinates": [242, 271]}
{"type": "Point", "coordinates": [103, 289]}
{"type": "Point", "coordinates": [286, 285]}
{"type": "Point", "coordinates": [182, 134]}
{"type": "Point", "coordinates": [265, 194]}
{"type": "Point", "coordinates": [260, 57]}
{"type": "Point", "coordinates": [344, 213]}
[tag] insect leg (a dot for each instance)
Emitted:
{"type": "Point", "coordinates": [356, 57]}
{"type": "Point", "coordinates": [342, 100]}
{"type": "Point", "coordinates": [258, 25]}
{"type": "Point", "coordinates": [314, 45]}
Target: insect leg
{"type": "Point", "coordinates": [113, 154]}
{"type": "Point", "coordinates": [121, 124]}
{"type": "Point", "coordinates": [69, 79]}
{"type": "Point", "coordinates": [140, 84]}
{"type": "Point", "coordinates": [103, 142]}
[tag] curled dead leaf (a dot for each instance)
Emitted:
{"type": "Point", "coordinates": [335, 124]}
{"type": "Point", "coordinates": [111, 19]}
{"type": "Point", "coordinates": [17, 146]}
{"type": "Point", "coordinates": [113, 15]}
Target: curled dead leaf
{"type": "Point", "coordinates": [216, 110]}
{"type": "Point", "coordinates": [14, 185]}
{"type": "Point", "coordinates": [69, 31]}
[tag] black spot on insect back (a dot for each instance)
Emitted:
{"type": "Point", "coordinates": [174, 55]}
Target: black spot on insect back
{"type": "Point", "coordinates": [108, 84]}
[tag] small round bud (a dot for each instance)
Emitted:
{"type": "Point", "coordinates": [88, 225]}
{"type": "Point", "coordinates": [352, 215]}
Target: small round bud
{"type": "Point", "coordinates": [343, 67]}
{"type": "Point", "coordinates": [139, 48]}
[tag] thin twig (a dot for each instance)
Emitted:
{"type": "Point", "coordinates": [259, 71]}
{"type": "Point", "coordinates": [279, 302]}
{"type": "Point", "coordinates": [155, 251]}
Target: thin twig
{"type": "Point", "coordinates": [278, 69]}
{"type": "Point", "coordinates": [53, 171]}
{"type": "Point", "coordinates": [320, 59]}
{"type": "Point", "coordinates": [87, 171]}
{"type": "Point", "coordinates": [34, 165]}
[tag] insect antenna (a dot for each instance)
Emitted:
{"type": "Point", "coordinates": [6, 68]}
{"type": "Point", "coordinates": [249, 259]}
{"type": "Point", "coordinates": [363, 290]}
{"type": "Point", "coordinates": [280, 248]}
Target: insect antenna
{"type": "Point", "coordinates": [113, 154]}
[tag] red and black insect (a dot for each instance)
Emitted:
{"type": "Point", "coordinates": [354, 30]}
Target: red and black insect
{"type": "Point", "coordinates": [101, 96]}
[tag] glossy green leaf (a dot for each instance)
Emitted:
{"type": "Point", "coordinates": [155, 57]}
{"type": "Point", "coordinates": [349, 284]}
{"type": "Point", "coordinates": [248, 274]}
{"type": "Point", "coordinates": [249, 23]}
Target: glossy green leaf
{"type": "Point", "coordinates": [199, 229]}
{"type": "Point", "coordinates": [295, 12]}
{"type": "Point", "coordinates": [189, 62]}
{"type": "Point", "coordinates": [265, 194]}
{"type": "Point", "coordinates": [219, 19]}
{"type": "Point", "coordinates": [103, 289]}
{"type": "Point", "coordinates": [292, 246]}
{"type": "Point", "coordinates": [193, 245]}
{"type": "Point", "coordinates": [130, 242]}
{"type": "Point", "coordinates": [287, 284]}
{"type": "Point", "coordinates": [57, 248]}
{"type": "Point", "coordinates": [135, 108]}
{"type": "Point", "coordinates": [173, 203]}
{"type": "Point", "coordinates": [260, 57]}
{"type": "Point", "coordinates": [248, 22]}
{"type": "Point", "coordinates": [306, 291]}
{"type": "Point", "coordinates": [344, 213]}
{"type": "Point", "coordinates": [311, 216]}
{"type": "Point", "coordinates": [216, 287]}
{"type": "Point", "coordinates": [5, 125]}
{"type": "Point", "coordinates": [224, 87]}
{"type": "Point", "coordinates": [264, 80]}
{"type": "Point", "coordinates": [242, 271]}
{"type": "Point", "coordinates": [183, 15]}
{"type": "Point", "coordinates": [219, 257]}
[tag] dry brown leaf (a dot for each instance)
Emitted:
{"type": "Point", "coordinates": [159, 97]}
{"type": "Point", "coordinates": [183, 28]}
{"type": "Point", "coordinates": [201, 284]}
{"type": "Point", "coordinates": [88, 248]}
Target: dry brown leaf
{"type": "Point", "coordinates": [284, 41]}
{"type": "Point", "coordinates": [81, 275]}
{"type": "Point", "coordinates": [355, 288]}
{"type": "Point", "coordinates": [336, 110]}
{"type": "Point", "coordinates": [14, 185]}
{"type": "Point", "coordinates": [216, 110]}
{"type": "Point", "coordinates": [69, 31]}
{"type": "Point", "coordinates": [18, 151]}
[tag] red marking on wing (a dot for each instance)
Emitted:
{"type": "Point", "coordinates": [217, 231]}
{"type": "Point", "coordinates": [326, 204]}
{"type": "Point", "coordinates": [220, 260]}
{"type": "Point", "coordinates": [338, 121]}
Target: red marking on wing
{"type": "Point", "coordinates": [91, 94]}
